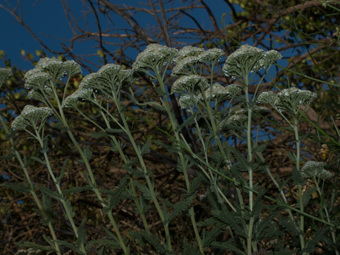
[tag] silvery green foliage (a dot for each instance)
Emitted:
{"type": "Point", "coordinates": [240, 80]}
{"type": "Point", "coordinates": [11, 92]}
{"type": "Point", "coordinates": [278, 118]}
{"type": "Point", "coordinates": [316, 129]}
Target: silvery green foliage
{"type": "Point", "coordinates": [155, 56]}
{"type": "Point", "coordinates": [188, 101]}
{"type": "Point", "coordinates": [81, 94]}
{"type": "Point", "coordinates": [288, 99]}
{"type": "Point", "coordinates": [109, 79]}
{"type": "Point", "coordinates": [189, 84]}
{"type": "Point", "coordinates": [4, 74]}
{"type": "Point", "coordinates": [313, 169]}
{"type": "Point", "coordinates": [248, 59]}
{"type": "Point", "coordinates": [31, 116]}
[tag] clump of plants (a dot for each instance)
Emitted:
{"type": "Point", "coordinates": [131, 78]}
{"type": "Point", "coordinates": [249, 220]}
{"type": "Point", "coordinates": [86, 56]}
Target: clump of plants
{"type": "Point", "coordinates": [223, 193]}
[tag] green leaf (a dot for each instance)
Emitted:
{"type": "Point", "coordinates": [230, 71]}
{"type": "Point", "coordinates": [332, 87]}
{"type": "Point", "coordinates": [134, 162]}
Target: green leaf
{"type": "Point", "coordinates": [227, 246]}
{"type": "Point", "coordinates": [48, 208]}
{"type": "Point", "coordinates": [74, 190]}
{"type": "Point", "coordinates": [113, 131]}
{"type": "Point", "coordinates": [82, 233]}
{"type": "Point", "coordinates": [38, 160]}
{"type": "Point", "coordinates": [307, 196]}
{"type": "Point", "coordinates": [146, 146]}
{"type": "Point", "coordinates": [68, 245]}
{"type": "Point", "coordinates": [187, 122]}
{"type": "Point", "coordinates": [181, 206]}
{"type": "Point", "coordinates": [297, 177]}
{"type": "Point", "coordinates": [50, 193]}
{"type": "Point", "coordinates": [98, 135]}
{"type": "Point", "coordinates": [189, 250]}
{"type": "Point", "coordinates": [62, 172]}
{"type": "Point", "coordinates": [113, 244]}
{"type": "Point", "coordinates": [153, 240]}
{"type": "Point", "coordinates": [116, 195]}
{"type": "Point", "coordinates": [146, 192]}
{"type": "Point", "coordinates": [24, 188]}
{"type": "Point", "coordinates": [289, 226]}
{"type": "Point", "coordinates": [35, 246]}
{"type": "Point", "coordinates": [211, 236]}
{"type": "Point", "coordinates": [88, 153]}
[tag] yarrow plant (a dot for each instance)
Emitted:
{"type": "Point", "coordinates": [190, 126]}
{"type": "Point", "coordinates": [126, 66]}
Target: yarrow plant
{"type": "Point", "coordinates": [211, 143]}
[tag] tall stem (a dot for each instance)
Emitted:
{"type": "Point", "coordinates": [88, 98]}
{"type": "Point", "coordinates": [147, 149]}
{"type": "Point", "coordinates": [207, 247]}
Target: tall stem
{"type": "Point", "coordinates": [250, 169]}
{"type": "Point", "coordinates": [67, 208]}
{"type": "Point", "coordinates": [31, 187]}
{"type": "Point", "coordinates": [174, 125]}
{"type": "Point", "coordinates": [301, 225]}
{"type": "Point", "coordinates": [90, 174]}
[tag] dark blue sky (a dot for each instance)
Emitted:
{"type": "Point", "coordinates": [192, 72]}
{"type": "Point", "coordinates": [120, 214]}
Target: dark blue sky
{"type": "Point", "coordinates": [46, 18]}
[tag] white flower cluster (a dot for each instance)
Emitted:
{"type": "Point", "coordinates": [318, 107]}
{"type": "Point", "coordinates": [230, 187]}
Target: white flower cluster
{"type": "Point", "coordinates": [189, 84]}
{"type": "Point", "coordinates": [4, 74]}
{"type": "Point", "coordinates": [313, 169]}
{"type": "Point", "coordinates": [53, 67]}
{"type": "Point", "coordinates": [36, 79]}
{"type": "Point", "coordinates": [31, 116]}
{"type": "Point", "coordinates": [220, 93]}
{"type": "Point", "coordinates": [211, 55]}
{"type": "Point", "coordinates": [109, 78]}
{"type": "Point", "coordinates": [238, 115]}
{"type": "Point", "coordinates": [80, 94]}
{"type": "Point", "coordinates": [190, 56]}
{"type": "Point", "coordinates": [188, 100]}
{"type": "Point", "coordinates": [153, 57]}
{"type": "Point", "coordinates": [188, 51]}
{"type": "Point", "coordinates": [71, 68]}
{"type": "Point", "coordinates": [287, 100]}
{"type": "Point", "coordinates": [45, 75]}
{"type": "Point", "coordinates": [248, 59]}
{"type": "Point", "coordinates": [38, 95]}
{"type": "Point", "coordinates": [267, 97]}
{"type": "Point", "coordinates": [185, 66]}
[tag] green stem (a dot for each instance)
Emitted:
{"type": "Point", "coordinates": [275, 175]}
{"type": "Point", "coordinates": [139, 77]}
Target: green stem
{"type": "Point", "coordinates": [326, 212]}
{"type": "Point", "coordinates": [146, 176]}
{"type": "Point", "coordinates": [90, 174]}
{"type": "Point", "coordinates": [174, 125]}
{"type": "Point", "coordinates": [250, 169]}
{"type": "Point", "coordinates": [31, 187]}
{"type": "Point", "coordinates": [68, 209]}
{"type": "Point", "coordinates": [125, 159]}
{"type": "Point", "coordinates": [301, 207]}
{"type": "Point", "coordinates": [226, 156]}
